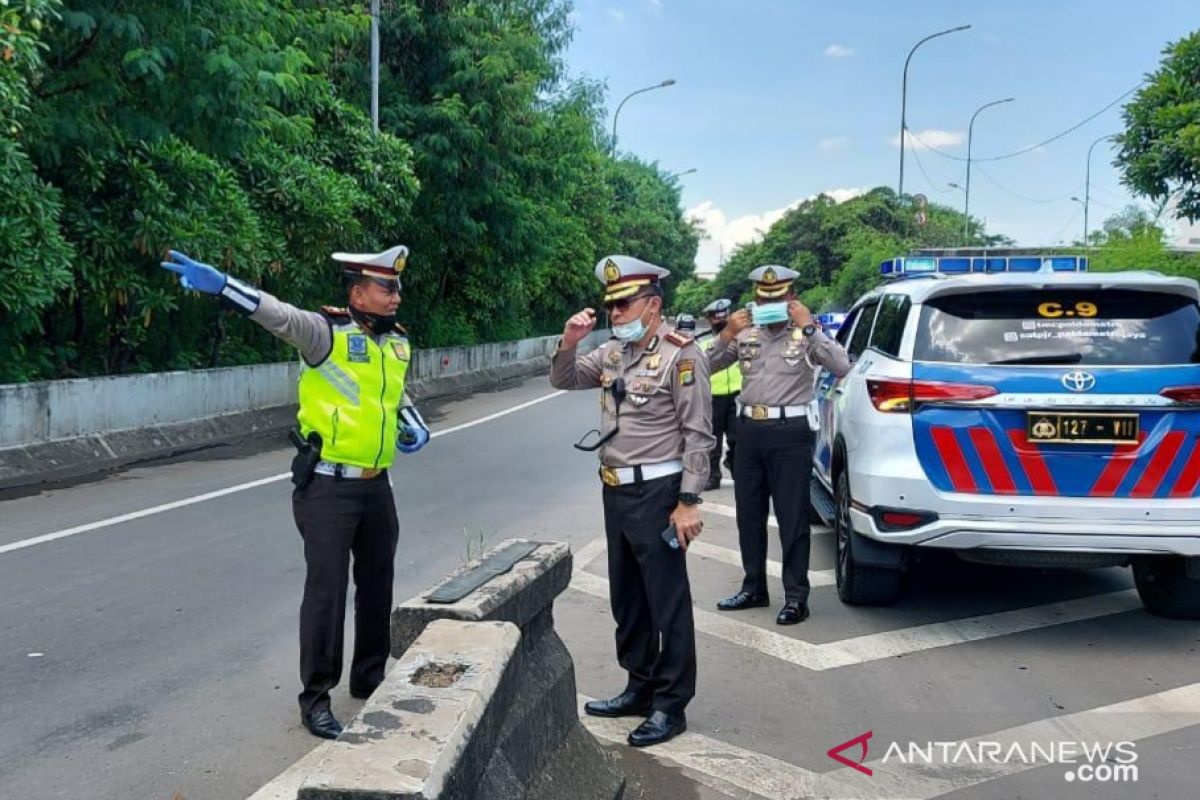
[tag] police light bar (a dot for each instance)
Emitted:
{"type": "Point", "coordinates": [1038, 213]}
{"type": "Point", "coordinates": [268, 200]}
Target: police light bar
{"type": "Point", "coordinates": [962, 265]}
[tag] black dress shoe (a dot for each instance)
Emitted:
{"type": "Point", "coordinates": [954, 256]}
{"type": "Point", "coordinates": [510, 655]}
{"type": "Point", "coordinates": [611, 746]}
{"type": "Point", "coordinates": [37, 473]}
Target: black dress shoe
{"type": "Point", "coordinates": [626, 704]}
{"type": "Point", "coordinates": [359, 693]}
{"type": "Point", "coordinates": [660, 727]}
{"type": "Point", "coordinates": [322, 723]}
{"type": "Point", "coordinates": [743, 600]}
{"type": "Point", "coordinates": [793, 613]}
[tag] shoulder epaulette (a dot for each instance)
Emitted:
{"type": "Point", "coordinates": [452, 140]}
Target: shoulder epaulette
{"type": "Point", "coordinates": [400, 329]}
{"type": "Point", "coordinates": [678, 339]}
{"type": "Point", "coordinates": [334, 311]}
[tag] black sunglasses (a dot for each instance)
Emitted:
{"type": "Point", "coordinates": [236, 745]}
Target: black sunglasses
{"type": "Point", "coordinates": [624, 303]}
{"type": "Point", "coordinates": [618, 392]}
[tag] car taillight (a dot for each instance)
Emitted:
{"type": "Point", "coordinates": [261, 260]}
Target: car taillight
{"type": "Point", "coordinates": [896, 519]}
{"type": "Point", "coordinates": [902, 397]}
{"type": "Point", "coordinates": [1182, 394]}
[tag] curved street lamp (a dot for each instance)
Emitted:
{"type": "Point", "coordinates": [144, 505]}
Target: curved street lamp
{"type": "Point", "coordinates": [663, 85]}
{"type": "Point", "coordinates": [674, 175]}
{"type": "Point", "coordinates": [904, 96]}
{"type": "Point", "coordinates": [1087, 185]}
{"type": "Point", "coordinates": [967, 191]}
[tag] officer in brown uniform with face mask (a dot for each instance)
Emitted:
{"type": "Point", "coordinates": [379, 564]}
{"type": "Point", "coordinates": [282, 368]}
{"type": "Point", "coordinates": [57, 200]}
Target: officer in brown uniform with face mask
{"type": "Point", "coordinates": [779, 347]}
{"type": "Point", "coordinates": [656, 431]}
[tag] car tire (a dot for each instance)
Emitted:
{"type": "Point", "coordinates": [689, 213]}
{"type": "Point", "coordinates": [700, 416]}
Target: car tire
{"type": "Point", "coordinates": [858, 585]}
{"type": "Point", "coordinates": [1165, 588]}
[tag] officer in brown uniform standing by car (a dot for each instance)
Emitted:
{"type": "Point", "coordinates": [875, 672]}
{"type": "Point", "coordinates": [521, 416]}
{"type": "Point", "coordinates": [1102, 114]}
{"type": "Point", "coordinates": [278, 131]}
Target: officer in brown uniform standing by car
{"type": "Point", "coordinates": [656, 432]}
{"type": "Point", "coordinates": [779, 346]}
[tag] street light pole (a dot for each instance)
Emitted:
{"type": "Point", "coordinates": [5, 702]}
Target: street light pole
{"type": "Point", "coordinates": [681, 174]}
{"type": "Point", "coordinates": [967, 191]}
{"type": "Point", "coordinates": [375, 67]}
{"type": "Point", "coordinates": [663, 85]}
{"type": "Point", "coordinates": [1087, 186]}
{"type": "Point", "coordinates": [904, 97]}
{"type": "Point", "coordinates": [1084, 204]}
{"type": "Point", "coordinates": [964, 191]}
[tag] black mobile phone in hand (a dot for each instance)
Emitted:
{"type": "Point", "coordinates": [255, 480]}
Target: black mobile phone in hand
{"type": "Point", "coordinates": [670, 537]}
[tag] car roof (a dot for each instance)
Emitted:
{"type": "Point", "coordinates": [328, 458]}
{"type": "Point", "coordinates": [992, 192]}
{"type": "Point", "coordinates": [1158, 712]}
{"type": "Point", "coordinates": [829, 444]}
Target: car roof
{"type": "Point", "coordinates": [924, 287]}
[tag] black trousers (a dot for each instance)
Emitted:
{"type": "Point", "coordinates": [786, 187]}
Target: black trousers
{"type": "Point", "coordinates": [773, 465]}
{"type": "Point", "coordinates": [338, 518]}
{"type": "Point", "coordinates": [650, 593]}
{"type": "Point", "coordinates": [724, 423]}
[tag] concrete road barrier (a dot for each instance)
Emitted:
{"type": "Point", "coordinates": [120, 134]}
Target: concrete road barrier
{"type": "Point", "coordinates": [480, 706]}
{"type": "Point", "coordinates": [52, 430]}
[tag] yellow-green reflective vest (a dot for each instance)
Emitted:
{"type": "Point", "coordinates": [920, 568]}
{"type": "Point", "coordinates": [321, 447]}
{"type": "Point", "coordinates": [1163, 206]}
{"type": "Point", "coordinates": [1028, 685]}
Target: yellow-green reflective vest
{"type": "Point", "coordinates": [727, 381]}
{"type": "Point", "coordinates": [352, 398]}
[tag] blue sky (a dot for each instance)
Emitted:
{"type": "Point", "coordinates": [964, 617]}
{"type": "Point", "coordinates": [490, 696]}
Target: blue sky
{"type": "Point", "coordinates": [778, 100]}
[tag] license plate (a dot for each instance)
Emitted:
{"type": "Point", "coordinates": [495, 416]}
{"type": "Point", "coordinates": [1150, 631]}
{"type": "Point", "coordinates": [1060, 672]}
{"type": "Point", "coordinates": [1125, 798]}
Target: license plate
{"type": "Point", "coordinates": [1054, 427]}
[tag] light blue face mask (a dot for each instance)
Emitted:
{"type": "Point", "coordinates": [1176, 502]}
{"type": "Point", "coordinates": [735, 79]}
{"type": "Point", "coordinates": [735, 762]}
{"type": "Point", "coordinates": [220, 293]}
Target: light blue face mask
{"type": "Point", "coordinates": [630, 331]}
{"type": "Point", "coordinates": [769, 313]}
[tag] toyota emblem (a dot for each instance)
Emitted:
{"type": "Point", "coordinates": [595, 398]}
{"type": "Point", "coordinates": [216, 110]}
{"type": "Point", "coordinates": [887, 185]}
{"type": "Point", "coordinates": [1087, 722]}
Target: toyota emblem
{"type": "Point", "coordinates": [1079, 381]}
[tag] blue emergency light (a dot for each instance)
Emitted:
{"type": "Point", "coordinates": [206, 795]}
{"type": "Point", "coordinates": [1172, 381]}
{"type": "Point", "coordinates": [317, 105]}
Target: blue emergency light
{"type": "Point", "coordinates": [830, 321]}
{"type": "Point", "coordinates": [912, 266]}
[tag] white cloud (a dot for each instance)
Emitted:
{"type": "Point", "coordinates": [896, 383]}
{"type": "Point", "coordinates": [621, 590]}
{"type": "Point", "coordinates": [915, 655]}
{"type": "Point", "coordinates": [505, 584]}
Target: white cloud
{"type": "Point", "coordinates": [836, 50]}
{"type": "Point", "coordinates": [724, 234]}
{"type": "Point", "coordinates": [834, 143]}
{"type": "Point", "coordinates": [930, 137]}
{"type": "Point", "coordinates": [616, 14]}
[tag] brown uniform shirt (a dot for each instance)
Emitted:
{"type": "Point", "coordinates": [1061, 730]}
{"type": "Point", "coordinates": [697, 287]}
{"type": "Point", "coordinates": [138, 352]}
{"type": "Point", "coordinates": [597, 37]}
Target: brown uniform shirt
{"type": "Point", "coordinates": [667, 413]}
{"type": "Point", "coordinates": [775, 364]}
{"type": "Point", "coordinates": [307, 331]}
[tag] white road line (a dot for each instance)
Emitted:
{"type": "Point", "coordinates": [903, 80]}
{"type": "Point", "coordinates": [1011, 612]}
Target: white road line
{"type": "Point", "coordinates": [877, 646]}
{"type": "Point", "coordinates": [724, 767]}
{"type": "Point", "coordinates": [712, 552]}
{"type": "Point", "coordinates": [1130, 720]}
{"type": "Point", "coordinates": [731, 512]}
{"type": "Point", "coordinates": [734, 771]}
{"type": "Point", "coordinates": [188, 501]}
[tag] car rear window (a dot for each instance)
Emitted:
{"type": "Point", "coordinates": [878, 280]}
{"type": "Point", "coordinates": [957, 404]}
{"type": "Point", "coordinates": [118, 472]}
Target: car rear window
{"type": "Point", "coordinates": [1060, 326]}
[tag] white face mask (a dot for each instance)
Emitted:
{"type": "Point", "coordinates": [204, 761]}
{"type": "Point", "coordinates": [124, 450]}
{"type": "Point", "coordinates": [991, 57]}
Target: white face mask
{"type": "Point", "coordinates": [632, 331]}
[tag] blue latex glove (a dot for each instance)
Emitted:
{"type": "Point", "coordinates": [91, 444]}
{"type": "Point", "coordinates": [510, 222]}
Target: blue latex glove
{"type": "Point", "coordinates": [411, 439]}
{"type": "Point", "coordinates": [194, 275]}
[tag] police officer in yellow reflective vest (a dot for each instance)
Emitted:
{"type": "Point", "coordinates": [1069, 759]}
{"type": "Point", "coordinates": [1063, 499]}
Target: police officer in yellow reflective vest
{"type": "Point", "coordinates": [354, 416]}
{"type": "Point", "coordinates": [726, 385]}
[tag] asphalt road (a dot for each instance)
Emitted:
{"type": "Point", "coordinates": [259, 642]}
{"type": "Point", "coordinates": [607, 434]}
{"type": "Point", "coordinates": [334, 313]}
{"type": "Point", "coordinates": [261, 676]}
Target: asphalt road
{"type": "Point", "coordinates": [156, 656]}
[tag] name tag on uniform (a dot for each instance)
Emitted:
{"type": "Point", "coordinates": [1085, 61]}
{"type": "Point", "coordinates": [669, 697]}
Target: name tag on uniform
{"type": "Point", "coordinates": [401, 350]}
{"type": "Point", "coordinates": [356, 349]}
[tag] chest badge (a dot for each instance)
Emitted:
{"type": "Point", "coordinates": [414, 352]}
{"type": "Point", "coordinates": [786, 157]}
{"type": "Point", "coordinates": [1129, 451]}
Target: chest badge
{"type": "Point", "coordinates": [401, 350]}
{"type": "Point", "coordinates": [356, 349]}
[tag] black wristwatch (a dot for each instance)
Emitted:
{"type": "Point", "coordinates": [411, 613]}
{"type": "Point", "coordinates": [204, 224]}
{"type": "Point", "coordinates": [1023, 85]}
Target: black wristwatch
{"type": "Point", "coordinates": [689, 499]}
{"type": "Point", "coordinates": [809, 330]}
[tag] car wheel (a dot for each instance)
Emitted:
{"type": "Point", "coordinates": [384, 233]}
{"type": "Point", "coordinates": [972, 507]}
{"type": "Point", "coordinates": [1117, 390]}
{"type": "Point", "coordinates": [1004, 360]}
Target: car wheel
{"type": "Point", "coordinates": [858, 585]}
{"type": "Point", "coordinates": [1165, 588]}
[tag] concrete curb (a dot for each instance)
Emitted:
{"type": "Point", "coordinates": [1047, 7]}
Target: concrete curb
{"type": "Point", "coordinates": [505, 728]}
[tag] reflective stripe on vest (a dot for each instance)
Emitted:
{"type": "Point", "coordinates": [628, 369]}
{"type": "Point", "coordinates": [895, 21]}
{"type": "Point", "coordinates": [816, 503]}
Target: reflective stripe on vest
{"type": "Point", "coordinates": [727, 381]}
{"type": "Point", "coordinates": [352, 398]}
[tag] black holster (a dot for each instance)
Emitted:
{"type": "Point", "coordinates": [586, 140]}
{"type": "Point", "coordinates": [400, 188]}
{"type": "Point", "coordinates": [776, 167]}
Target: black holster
{"type": "Point", "coordinates": [308, 453]}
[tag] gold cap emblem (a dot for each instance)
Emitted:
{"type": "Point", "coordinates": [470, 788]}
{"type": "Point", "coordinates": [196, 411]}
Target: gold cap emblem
{"type": "Point", "coordinates": [769, 276]}
{"type": "Point", "coordinates": [612, 272]}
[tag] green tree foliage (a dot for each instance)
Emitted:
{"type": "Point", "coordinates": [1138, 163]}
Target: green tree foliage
{"type": "Point", "coordinates": [1132, 239]}
{"type": "Point", "coordinates": [234, 130]}
{"type": "Point", "coordinates": [1160, 148]}
{"type": "Point", "coordinates": [836, 248]}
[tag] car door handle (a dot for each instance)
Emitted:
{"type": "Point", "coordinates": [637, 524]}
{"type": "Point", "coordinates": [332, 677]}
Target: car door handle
{"type": "Point", "coordinates": [839, 390]}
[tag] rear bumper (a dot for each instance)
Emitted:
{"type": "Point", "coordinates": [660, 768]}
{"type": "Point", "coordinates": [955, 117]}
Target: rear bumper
{"type": "Point", "coordinates": [1089, 535]}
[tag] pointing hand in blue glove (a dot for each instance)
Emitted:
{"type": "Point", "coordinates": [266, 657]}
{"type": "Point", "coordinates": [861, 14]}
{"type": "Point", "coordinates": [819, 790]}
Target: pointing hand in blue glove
{"type": "Point", "coordinates": [195, 275]}
{"type": "Point", "coordinates": [411, 439]}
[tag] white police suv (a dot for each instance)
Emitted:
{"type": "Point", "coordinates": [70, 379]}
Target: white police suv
{"type": "Point", "coordinates": [1016, 409]}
